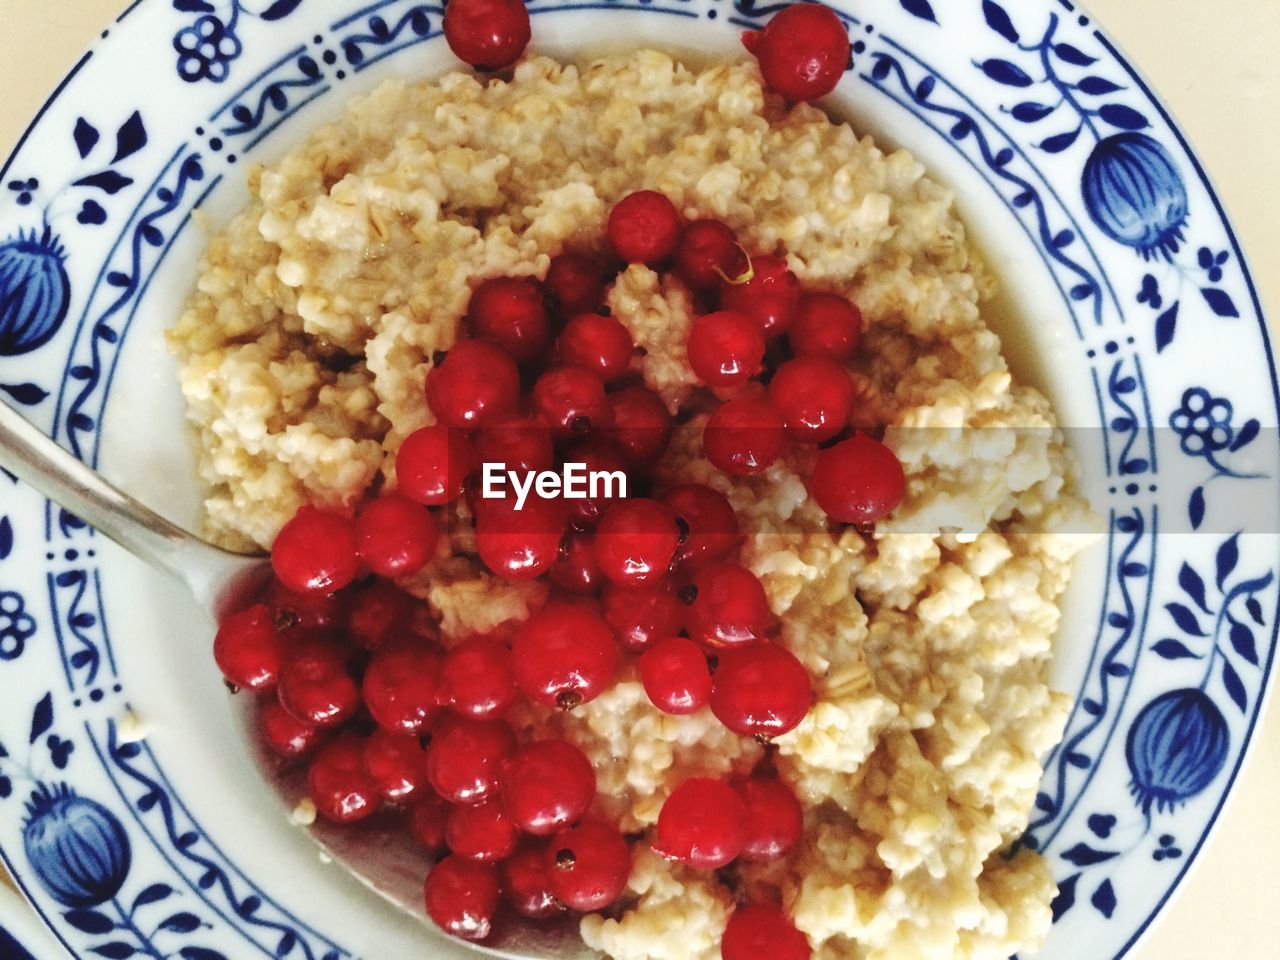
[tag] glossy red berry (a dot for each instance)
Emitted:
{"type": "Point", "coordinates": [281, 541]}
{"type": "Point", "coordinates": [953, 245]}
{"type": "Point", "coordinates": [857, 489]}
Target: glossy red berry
{"type": "Point", "coordinates": [425, 819]}
{"type": "Point", "coordinates": [338, 784]}
{"type": "Point", "coordinates": [477, 384]}
{"type": "Point", "coordinates": [599, 344]}
{"type": "Point", "coordinates": [462, 896]}
{"type": "Point", "coordinates": [803, 51]}
{"type": "Point", "coordinates": [574, 284]}
{"type": "Point", "coordinates": [519, 544]}
{"type": "Point", "coordinates": [316, 552]}
{"type": "Point", "coordinates": [379, 611]}
{"type": "Point", "coordinates": [758, 932]}
{"type": "Point", "coordinates": [858, 481]}
{"type": "Point", "coordinates": [709, 523]}
{"type": "Point", "coordinates": [760, 690]}
{"type": "Point", "coordinates": [769, 297]}
{"type": "Point", "coordinates": [703, 824]}
{"type": "Point", "coordinates": [487, 34]}
{"type": "Point", "coordinates": [642, 615]}
{"type": "Point", "coordinates": [725, 348]}
{"type": "Point", "coordinates": [547, 785]}
{"type": "Point", "coordinates": [432, 465]}
{"type": "Point", "coordinates": [729, 607]}
{"type": "Point", "coordinates": [526, 882]}
{"type": "Point", "coordinates": [285, 734]}
{"type": "Point", "coordinates": [477, 679]}
{"type": "Point", "coordinates": [396, 763]}
{"type": "Point", "coordinates": [564, 656]}
{"type": "Point", "coordinates": [676, 676]}
{"type": "Point", "coordinates": [521, 444]}
{"type": "Point", "coordinates": [644, 227]}
{"type": "Point", "coordinates": [395, 536]}
{"type": "Point", "coordinates": [636, 541]}
{"type": "Point", "coordinates": [775, 819]}
{"type": "Point", "coordinates": [576, 571]}
{"type": "Point", "coordinates": [597, 456]}
{"type": "Point", "coordinates": [481, 832]}
{"type": "Point", "coordinates": [510, 312]}
{"type": "Point", "coordinates": [641, 426]}
{"type": "Point", "coordinates": [744, 437]}
{"type": "Point", "coordinates": [589, 865]}
{"type": "Point", "coordinates": [814, 396]}
{"type": "Point", "coordinates": [401, 685]}
{"type": "Point", "coordinates": [708, 254]}
{"type": "Point", "coordinates": [571, 401]}
{"type": "Point", "coordinates": [465, 758]}
{"type": "Point", "coordinates": [248, 649]}
{"type": "Point", "coordinates": [304, 613]}
{"type": "Point", "coordinates": [825, 325]}
{"type": "Point", "coordinates": [316, 686]}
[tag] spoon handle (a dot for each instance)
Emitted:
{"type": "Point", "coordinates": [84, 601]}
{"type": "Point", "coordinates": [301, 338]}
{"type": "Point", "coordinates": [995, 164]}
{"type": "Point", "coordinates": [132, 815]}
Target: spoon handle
{"type": "Point", "coordinates": [36, 459]}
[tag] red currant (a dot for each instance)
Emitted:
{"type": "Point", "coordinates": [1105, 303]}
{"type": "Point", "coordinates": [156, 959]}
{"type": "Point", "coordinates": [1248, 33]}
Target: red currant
{"type": "Point", "coordinates": [676, 676]}
{"type": "Point", "coordinates": [775, 820]}
{"type": "Point", "coordinates": [487, 34]}
{"type": "Point", "coordinates": [743, 437]}
{"type": "Point", "coordinates": [425, 819]}
{"type": "Point", "coordinates": [521, 444]}
{"type": "Point", "coordinates": [597, 456]}
{"type": "Point", "coordinates": [769, 297]}
{"type": "Point", "coordinates": [338, 785]}
{"type": "Point", "coordinates": [465, 757]}
{"type": "Point", "coordinates": [702, 824]}
{"type": "Point", "coordinates": [307, 612]}
{"type": "Point", "coordinates": [433, 463]}
{"type": "Point", "coordinates": [636, 541]}
{"type": "Point", "coordinates": [462, 894]}
{"type": "Point", "coordinates": [589, 865]}
{"type": "Point", "coordinates": [644, 227]}
{"type": "Point", "coordinates": [510, 312]}
{"type": "Point", "coordinates": [481, 832]}
{"type": "Point", "coordinates": [477, 679]}
{"type": "Point", "coordinates": [316, 686]}
{"type": "Point", "coordinates": [247, 648]}
{"type": "Point", "coordinates": [379, 611]}
{"type": "Point", "coordinates": [519, 544]}
{"type": "Point", "coordinates": [571, 401]}
{"type": "Point", "coordinates": [400, 686]}
{"type": "Point", "coordinates": [396, 763]}
{"type": "Point", "coordinates": [564, 656]}
{"type": "Point", "coordinates": [725, 348]}
{"type": "Point", "coordinates": [760, 691]}
{"type": "Point", "coordinates": [707, 254]}
{"type": "Point", "coordinates": [641, 425]}
{"type": "Point", "coordinates": [547, 785]}
{"type": "Point", "coordinates": [825, 325]}
{"type": "Point", "coordinates": [526, 883]}
{"type": "Point", "coordinates": [477, 384]}
{"type": "Point", "coordinates": [761, 931]}
{"type": "Point", "coordinates": [576, 571]}
{"type": "Point", "coordinates": [858, 481]}
{"type": "Point", "coordinates": [642, 615]}
{"type": "Point", "coordinates": [710, 526]}
{"type": "Point", "coordinates": [285, 734]}
{"type": "Point", "coordinates": [814, 396]}
{"type": "Point", "coordinates": [395, 536]}
{"type": "Point", "coordinates": [316, 552]}
{"type": "Point", "coordinates": [599, 344]}
{"type": "Point", "coordinates": [575, 284]}
{"type": "Point", "coordinates": [803, 51]}
{"type": "Point", "coordinates": [729, 606]}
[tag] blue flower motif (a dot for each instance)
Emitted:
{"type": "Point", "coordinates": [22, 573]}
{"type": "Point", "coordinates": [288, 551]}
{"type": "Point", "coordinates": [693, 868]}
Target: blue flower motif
{"type": "Point", "coordinates": [205, 50]}
{"type": "Point", "coordinates": [1177, 747]}
{"type": "Point", "coordinates": [1150, 292]}
{"type": "Point", "coordinates": [77, 848]}
{"type": "Point", "coordinates": [35, 291]}
{"type": "Point", "coordinates": [1212, 263]}
{"type": "Point", "coordinates": [1135, 194]}
{"type": "Point", "coordinates": [16, 625]}
{"type": "Point", "coordinates": [24, 189]}
{"type": "Point", "coordinates": [1203, 423]}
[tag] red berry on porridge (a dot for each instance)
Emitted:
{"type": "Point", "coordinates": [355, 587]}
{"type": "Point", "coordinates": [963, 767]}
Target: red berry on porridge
{"type": "Point", "coordinates": [488, 34]}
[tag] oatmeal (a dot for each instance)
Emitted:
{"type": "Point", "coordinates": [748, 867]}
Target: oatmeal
{"type": "Point", "coordinates": [320, 311]}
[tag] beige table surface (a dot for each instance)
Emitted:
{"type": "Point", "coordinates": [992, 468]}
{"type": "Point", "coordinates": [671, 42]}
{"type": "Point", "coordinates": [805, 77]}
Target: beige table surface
{"type": "Point", "coordinates": [1215, 63]}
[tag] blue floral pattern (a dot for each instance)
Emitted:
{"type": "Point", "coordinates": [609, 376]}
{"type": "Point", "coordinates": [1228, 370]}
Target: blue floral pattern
{"type": "Point", "coordinates": [209, 45]}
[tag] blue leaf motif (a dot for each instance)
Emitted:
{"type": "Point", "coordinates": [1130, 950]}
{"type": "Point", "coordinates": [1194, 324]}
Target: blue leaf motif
{"type": "Point", "coordinates": [1174, 650]}
{"type": "Point", "coordinates": [1101, 825]}
{"type": "Point", "coordinates": [90, 921]}
{"type": "Point", "coordinates": [1246, 435]}
{"type": "Point", "coordinates": [91, 213]}
{"type": "Point", "coordinates": [200, 953]}
{"type": "Point", "coordinates": [1104, 899]}
{"type": "Point", "coordinates": [1192, 585]}
{"type": "Point", "coordinates": [1195, 508]}
{"type": "Point", "coordinates": [6, 537]}
{"type": "Point", "coordinates": [153, 894]}
{"type": "Point", "coordinates": [1098, 86]}
{"type": "Point", "coordinates": [86, 137]}
{"type": "Point", "coordinates": [1234, 686]}
{"type": "Point", "coordinates": [41, 718]}
{"type": "Point", "coordinates": [882, 69]}
{"type": "Point", "coordinates": [1066, 898]}
{"type": "Point", "coordinates": [1220, 302]}
{"type": "Point", "coordinates": [1060, 141]}
{"type": "Point", "coordinates": [1166, 325]}
{"type": "Point", "coordinates": [115, 950]}
{"type": "Point", "coordinates": [919, 8]}
{"type": "Point", "coordinates": [108, 181]}
{"type": "Point", "coordinates": [998, 20]}
{"type": "Point", "coordinates": [1185, 619]}
{"type": "Point", "coordinates": [1030, 111]}
{"type": "Point", "coordinates": [1002, 71]}
{"type": "Point", "coordinates": [1073, 55]}
{"type": "Point", "coordinates": [1255, 610]}
{"type": "Point", "coordinates": [286, 944]}
{"type": "Point", "coordinates": [27, 394]}
{"type": "Point", "coordinates": [1242, 642]}
{"type": "Point", "coordinates": [1126, 118]}
{"type": "Point", "coordinates": [181, 923]}
{"type": "Point", "coordinates": [1083, 855]}
{"type": "Point", "coordinates": [130, 138]}
{"type": "Point", "coordinates": [925, 88]}
{"type": "Point", "coordinates": [1227, 558]}
{"type": "Point", "coordinates": [280, 9]}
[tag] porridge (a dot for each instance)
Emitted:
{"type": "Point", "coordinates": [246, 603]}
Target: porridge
{"type": "Point", "coordinates": [305, 353]}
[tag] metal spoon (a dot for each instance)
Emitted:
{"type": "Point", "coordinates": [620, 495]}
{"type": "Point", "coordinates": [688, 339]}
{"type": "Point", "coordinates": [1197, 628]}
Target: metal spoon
{"type": "Point", "coordinates": [375, 854]}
